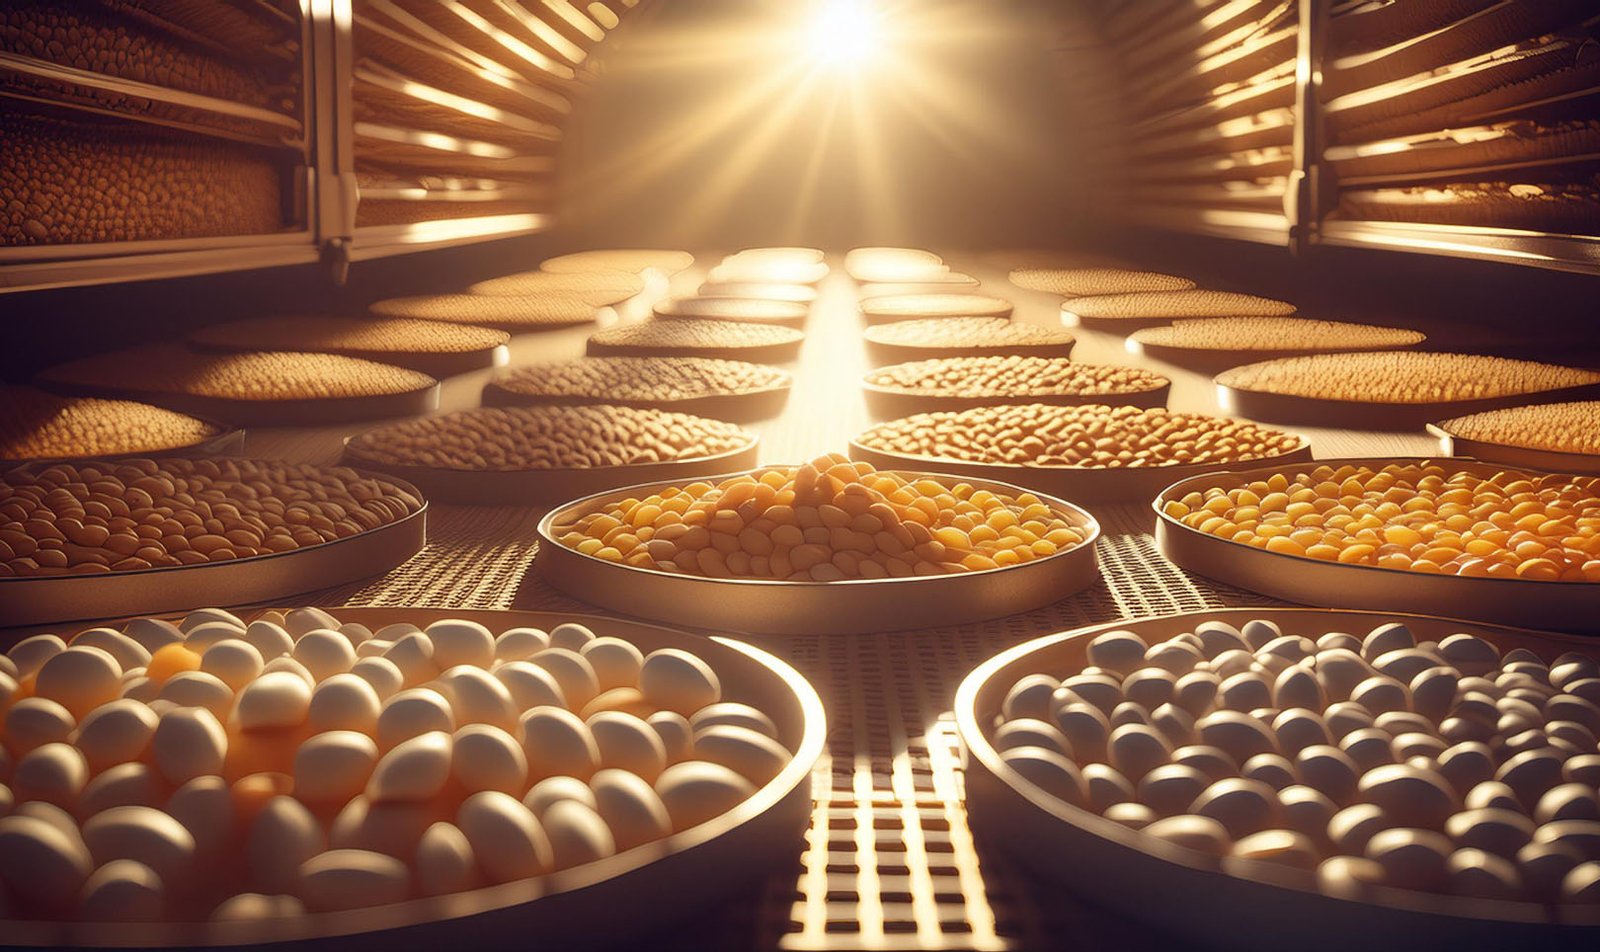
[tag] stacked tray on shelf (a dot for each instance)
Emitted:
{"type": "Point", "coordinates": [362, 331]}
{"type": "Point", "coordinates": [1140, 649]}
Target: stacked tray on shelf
{"type": "Point", "coordinates": [721, 389]}
{"type": "Point", "coordinates": [1077, 282]}
{"type": "Point", "coordinates": [940, 337]}
{"type": "Point", "coordinates": [1444, 535]}
{"type": "Point", "coordinates": [573, 763]}
{"type": "Point", "coordinates": [725, 340]}
{"type": "Point", "coordinates": [826, 547]}
{"type": "Point", "coordinates": [1131, 311]}
{"type": "Point", "coordinates": [1173, 766]}
{"type": "Point", "coordinates": [260, 387]}
{"type": "Point", "coordinates": [432, 347]}
{"type": "Point", "coordinates": [520, 455]}
{"type": "Point", "coordinates": [911, 307]}
{"type": "Point", "coordinates": [600, 288]}
{"type": "Point", "coordinates": [1214, 344]}
{"type": "Point", "coordinates": [1088, 454]}
{"type": "Point", "coordinates": [1398, 390]}
{"type": "Point", "coordinates": [515, 313]}
{"type": "Point", "coordinates": [963, 383]}
{"type": "Point", "coordinates": [37, 426]}
{"type": "Point", "coordinates": [748, 310]}
{"type": "Point", "coordinates": [1560, 437]}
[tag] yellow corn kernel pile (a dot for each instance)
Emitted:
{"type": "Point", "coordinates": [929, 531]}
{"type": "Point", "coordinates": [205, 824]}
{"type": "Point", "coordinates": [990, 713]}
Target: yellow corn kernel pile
{"type": "Point", "coordinates": [825, 521]}
{"type": "Point", "coordinates": [1426, 518]}
{"type": "Point", "coordinates": [1404, 377]}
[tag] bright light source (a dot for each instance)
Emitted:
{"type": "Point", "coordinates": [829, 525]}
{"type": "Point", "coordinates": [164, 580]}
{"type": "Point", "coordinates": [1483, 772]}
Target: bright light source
{"type": "Point", "coordinates": [845, 34]}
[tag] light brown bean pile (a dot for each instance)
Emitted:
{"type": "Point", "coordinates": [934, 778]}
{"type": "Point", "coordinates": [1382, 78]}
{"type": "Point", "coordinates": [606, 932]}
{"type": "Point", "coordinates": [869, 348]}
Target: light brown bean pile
{"type": "Point", "coordinates": [1274, 333]}
{"type": "Point", "coordinates": [39, 425]}
{"type": "Point", "coordinates": [825, 521]}
{"type": "Point", "coordinates": [936, 305]}
{"type": "Point", "coordinates": [600, 287]}
{"type": "Point", "coordinates": [338, 335]}
{"type": "Point", "coordinates": [1175, 304]}
{"type": "Point", "coordinates": [510, 312]}
{"type": "Point", "coordinates": [1012, 376]}
{"type": "Point", "coordinates": [697, 335]}
{"type": "Point", "coordinates": [524, 438]}
{"type": "Point", "coordinates": [1558, 427]}
{"type": "Point", "coordinates": [1072, 282]}
{"type": "Point", "coordinates": [1430, 519]}
{"type": "Point", "coordinates": [1087, 436]}
{"type": "Point", "coordinates": [752, 310]}
{"type": "Point", "coordinates": [643, 378]}
{"type": "Point", "coordinates": [86, 518]}
{"type": "Point", "coordinates": [263, 375]}
{"type": "Point", "coordinates": [1403, 377]}
{"type": "Point", "coordinates": [966, 332]}
{"type": "Point", "coordinates": [632, 260]}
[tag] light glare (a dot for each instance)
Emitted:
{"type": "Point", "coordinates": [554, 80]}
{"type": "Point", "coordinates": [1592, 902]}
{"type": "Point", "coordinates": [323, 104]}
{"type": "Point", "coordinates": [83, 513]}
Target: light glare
{"type": "Point", "coordinates": [845, 34]}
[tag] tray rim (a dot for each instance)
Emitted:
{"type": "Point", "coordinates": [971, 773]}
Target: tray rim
{"type": "Point", "coordinates": [864, 307]}
{"type": "Point", "coordinates": [228, 440]}
{"type": "Point", "coordinates": [1555, 461]}
{"type": "Point", "coordinates": [1163, 519]}
{"type": "Point", "coordinates": [1080, 518]}
{"type": "Point", "coordinates": [1316, 411]}
{"type": "Point", "coordinates": [414, 522]}
{"type": "Point", "coordinates": [498, 898]}
{"type": "Point", "coordinates": [795, 313]}
{"type": "Point", "coordinates": [935, 401]}
{"type": "Point", "coordinates": [976, 745]}
{"type": "Point", "coordinates": [481, 495]}
{"type": "Point", "coordinates": [1215, 360]}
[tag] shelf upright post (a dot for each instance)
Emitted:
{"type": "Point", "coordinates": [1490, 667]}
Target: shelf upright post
{"type": "Point", "coordinates": [333, 179]}
{"type": "Point", "coordinates": [1303, 199]}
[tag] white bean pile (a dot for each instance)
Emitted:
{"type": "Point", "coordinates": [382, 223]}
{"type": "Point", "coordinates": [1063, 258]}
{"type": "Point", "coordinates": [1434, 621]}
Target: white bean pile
{"type": "Point", "coordinates": [1442, 767]}
{"type": "Point", "coordinates": [223, 770]}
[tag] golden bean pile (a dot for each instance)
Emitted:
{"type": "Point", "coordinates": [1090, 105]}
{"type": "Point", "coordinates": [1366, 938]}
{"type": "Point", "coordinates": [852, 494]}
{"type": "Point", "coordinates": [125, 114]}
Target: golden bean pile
{"type": "Point", "coordinates": [90, 39]}
{"type": "Point", "coordinates": [1072, 282]}
{"type": "Point", "coordinates": [86, 518]}
{"type": "Point", "coordinates": [337, 335]}
{"type": "Point", "coordinates": [967, 332]}
{"type": "Point", "coordinates": [825, 521]}
{"type": "Point", "coordinates": [1403, 377]}
{"type": "Point", "coordinates": [624, 379]}
{"type": "Point", "coordinates": [264, 375]}
{"type": "Point", "coordinates": [1192, 303]}
{"type": "Point", "coordinates": [1012, 376]}
{"type": "Point", "coordinates": [39, 425]}
{"type": "Point", "coordinates": [753, 310]}
{"type": "Point", "coordinates": [632, 260]}
{"type": "Point", "coordinates": [697, 335]}
{"type": "Point", "coordinates": [936, 305]}
{"type": "Point", "coordinates": [1430, 518]}
{"type": "Point", "coordinates": [518, 312]}
{"type": "Point", "coordinates": [523, 438]}
{"type": "Point", "coordinates": [599, 287]}
{"type": "Point", "coordinates": [1557, 427]}
{"type": "Point", "coordinates": [1274, 333]}
{"type": "Point", "coordinates": [64, 182]}
{"type": "Point", "coordinates": [1091, 436]}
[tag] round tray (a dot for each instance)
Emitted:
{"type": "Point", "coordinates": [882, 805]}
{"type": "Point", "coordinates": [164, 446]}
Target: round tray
{"type": "Point", "coordinates": [1564, 606]}
{"type": "Point", "coordinates": [602, 903]}
{"type": "Point", "coordinates": [746, 310]}
{"type": "Point", "coordinates": [317, 411]}
{"type": "Point", "coordinates": [1080, 484]}
{"type": "Point", "coordinates": [432, 363]}
{"type": "Point", "coordinates": [853, 606]}
{"type": "Point", "coordinates": [1187, 891]}
{"type": "Point", "coordinates": [1376, 415]}
{"type": "Point", "coordinates": [808, 273]}
{"type": "Point", "coordinates": [227, 441]}
{"type": "Point", "coordinates": [760, 291]}
{"type": "Point", "coordinates": [741, 407]}
{"type": "Point", "coordinates": [886, 403]}
{"type": "Point", "coordinates": [975, 305]}
{"type": "Point", "coordinates": [534, 487]}
{"type": "Point", "coordinates": [250, 580]}
{"type": "Point", "coordinates": [880, 354]}
{"type": "Point", "coordinates": [1111, 325]}
{"type": "Point", "coordinates": [1209, 361]}
{"type": "Point", "coordinates": [1583, 464]}
{"type": "Point", "coordinates": [949, 282]}
{"type": "Point", "coordinates": [780, 353]}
